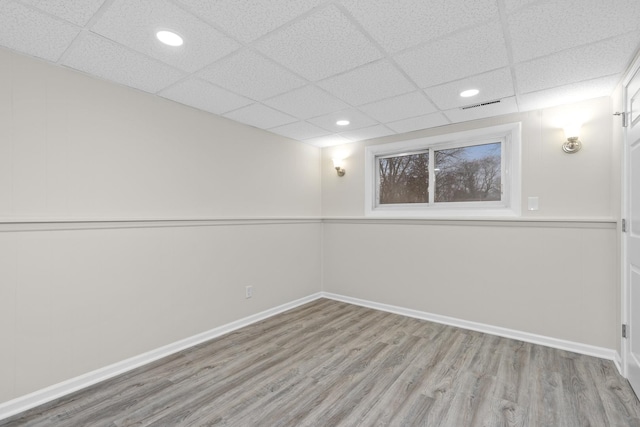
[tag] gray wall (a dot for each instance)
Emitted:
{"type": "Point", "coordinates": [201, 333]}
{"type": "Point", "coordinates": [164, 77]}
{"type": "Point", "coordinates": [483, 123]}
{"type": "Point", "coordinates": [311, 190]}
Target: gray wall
{"type": "Point", "coordinates": [78, 297]}
{"type": "Point", "coordinates": [553, 272]}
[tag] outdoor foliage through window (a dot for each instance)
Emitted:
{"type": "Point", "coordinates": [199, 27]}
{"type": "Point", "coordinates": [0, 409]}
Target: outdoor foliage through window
{"type": "Point", "coordinates": [461, 174]}
{"type": "Point", "coordinates": [404, 179]}
{"type": "Point", "coordinates": [468, 174]}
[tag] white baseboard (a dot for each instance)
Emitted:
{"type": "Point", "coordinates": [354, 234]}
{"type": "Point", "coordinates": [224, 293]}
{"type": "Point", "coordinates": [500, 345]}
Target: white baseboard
{"type": "Point", "coordinates": [23, 403]}
{"type": "Point", "coordinates": [618, 362]}
{"type": "Point", "coordinates": [589, 350]}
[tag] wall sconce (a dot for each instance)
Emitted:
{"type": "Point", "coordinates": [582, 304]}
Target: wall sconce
{"type": "Point", "coordinates": [572, 144]}
{"type": "Point", "coordinates": [337, 163]}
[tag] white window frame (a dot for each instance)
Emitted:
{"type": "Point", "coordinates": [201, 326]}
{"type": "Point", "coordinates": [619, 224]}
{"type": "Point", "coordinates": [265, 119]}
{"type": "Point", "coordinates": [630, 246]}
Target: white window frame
{"type": "Point", "coordinates": [508, 206]}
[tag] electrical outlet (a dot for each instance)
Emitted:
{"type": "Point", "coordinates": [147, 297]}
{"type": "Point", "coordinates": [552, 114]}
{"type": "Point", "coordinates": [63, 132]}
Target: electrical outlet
{"type": "Point", "coordinates": [248, 291]}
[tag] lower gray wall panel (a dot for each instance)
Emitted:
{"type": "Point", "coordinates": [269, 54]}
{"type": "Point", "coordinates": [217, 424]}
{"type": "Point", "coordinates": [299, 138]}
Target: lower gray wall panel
{"type": "Point", "coordinates": [556, 281]}
{"type": "Point", "coordinates": [72, 301]}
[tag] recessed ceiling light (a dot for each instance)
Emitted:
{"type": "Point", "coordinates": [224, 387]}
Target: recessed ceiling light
{"type": "Point", "coordinates": [468, 93]}
{"type": "Point", "coordinates": [342, 122]}
{"type": "Point", "coordinates": [169, 38]}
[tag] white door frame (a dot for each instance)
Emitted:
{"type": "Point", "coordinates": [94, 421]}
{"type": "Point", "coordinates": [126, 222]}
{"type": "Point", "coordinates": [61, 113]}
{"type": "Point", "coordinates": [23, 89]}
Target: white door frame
{"type": "Point", "coordinates": [624, 304]}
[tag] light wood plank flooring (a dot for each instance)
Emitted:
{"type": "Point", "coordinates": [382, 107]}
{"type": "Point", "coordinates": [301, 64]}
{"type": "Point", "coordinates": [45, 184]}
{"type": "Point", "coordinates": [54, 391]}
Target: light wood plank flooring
{"type": "Point", "coordinates": [333, 364]}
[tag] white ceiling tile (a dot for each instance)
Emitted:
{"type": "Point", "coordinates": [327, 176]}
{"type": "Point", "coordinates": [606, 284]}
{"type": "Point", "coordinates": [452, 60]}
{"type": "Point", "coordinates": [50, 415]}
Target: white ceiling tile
{"type": "Point", "coordinates": [506, 106]}
{"type": "Point", "coordinates": [400, 25]}
{"type": "Point", "coordinates": [356, 118]}
{"type": "Point", "coordinates": [260, 116]}
{"type": "Point", "coordinates": [368, 83]}
{"type": "Point", "coordinates": [307, 102]}
{"type": "Point", "coordinates": [417, 123]}
{"type": "Point", "coordinates": [328, 141]}
{"type": "Point", "coordinates": [251, 75]}
{"type": "Point", "coordinates": [552, 26]}
{"type": "Point", "coordinates": [78, 12]}
{"type": "Point", "coordinates": [34, 33]}
{"type": "Point", "coordinates": [311, 59]}
{"type": "Point", "coordinates": [400, 107]}
{"type": "Point", "coordinates": [577, 64]}
{"type": "Point", "coordinates": [205, 96]}
{"type": "Point", "coordinates": [320, 45]}
{"type": "Point", "coordinates": [367, 133]}
{"type": "Point", "coordinates": [461, 55]}
{"type": "Point", "coordinates": [135, 23]}
{"type": "Point", "coordinates": [104, 58]}
{"type": "Point", "coordinates": [512, 5]}
{"type": "Point", "coordinates": [492, 85]}
{"type": "Point", "coordinates": [300, 131]}
{"type": "Point", "coordinates": [571, 93]}
{"type": "Point", "coordinates": [248, 20]}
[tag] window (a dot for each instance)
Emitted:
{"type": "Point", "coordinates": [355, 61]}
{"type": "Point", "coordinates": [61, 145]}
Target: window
{"type": "Point", "coordinates": [473, 173]}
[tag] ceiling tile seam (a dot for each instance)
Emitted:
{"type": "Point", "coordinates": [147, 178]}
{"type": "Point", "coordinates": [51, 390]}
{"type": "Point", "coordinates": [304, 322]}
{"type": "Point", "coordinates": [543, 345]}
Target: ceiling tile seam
{"type": "Point", "coordinates": [349, 105]}
{"type": "Point", "coordinates": [465, 78]}
{"type": "Point", "coordinates": [384, 59]}
{"type": "Point", "coordinates": [388, 57]}
{"type": "Point", "coordinates": [357, 67]}
{"type": "Point", "coordinates": [312, 11]}
{"type": "Point", "coordinates": [101, 11]}
{"type": "Point", "coordinates": [264, 105]}
{"type": "Point", "coordinates": [188, 74]}
{"type": "Point", "coordinates": [572, 83]}
{"type": "Point", "coordinates": [333, 131]}
{"type": "Point", "coordinates": [299, 121]}
{"type": "Point", "coordinates": [636, 32]}
{"type": "Point", "coordinates": [206, 82]}
{"type": "Point", "coordinates": [311, 84]}
{"type": "Point", "coordinates": [55, 18]}
{"type": "Point", "coordinates": [227, 58]}
{"type": "Point", "coordinates": [251, 47]}
{"type": "Point", "coordinates": [392, 132]}
{"type": "Point", "coordinates": [213, 25]}
{"type": "Point", "coordinates": [192, 74]}
{"type": "Point", "coordinates": [44, 12]}
{"type": "Point", "coordinates": [180, 81]}
{"type": "Point", "coordinates": [273, 61]}
{"type": "Point", "coordinates": [440, 112]}
{"type": "Point", "coordinates": [137, 52]}
{"type": "Point", "coordinates": [70, 47]}
{"type": "Point", "coordinates": [444, 37]}
{"type": "Point", "coordinates": [506, 35]}
{"type": "Point", "coordinates": [195, 74]}
{"type": "Point", "coordinates": [73, 46]}
{"type": "Point", "coordinates": [529, 6]}
{"type": "Point", "coordinates": [291, 22]}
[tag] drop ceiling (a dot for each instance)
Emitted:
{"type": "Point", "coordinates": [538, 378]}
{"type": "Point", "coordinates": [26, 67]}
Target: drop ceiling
{"type": "Point", "coordinates": [296, 67]}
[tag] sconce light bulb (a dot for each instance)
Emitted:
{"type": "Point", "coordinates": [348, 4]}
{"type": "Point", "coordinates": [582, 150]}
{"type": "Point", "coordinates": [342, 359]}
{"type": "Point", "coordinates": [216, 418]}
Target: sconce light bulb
{"type": "Point", "coordinates": [572, 131]}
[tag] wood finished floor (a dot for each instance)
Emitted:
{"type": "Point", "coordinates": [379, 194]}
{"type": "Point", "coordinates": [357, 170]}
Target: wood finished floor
{"type": "Point", "coordinates": [329, 363]}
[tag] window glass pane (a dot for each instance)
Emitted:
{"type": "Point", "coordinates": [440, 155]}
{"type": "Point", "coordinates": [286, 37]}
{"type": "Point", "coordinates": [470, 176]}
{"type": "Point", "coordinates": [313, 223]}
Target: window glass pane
{"type": "Point", "coordinates": [468, 174]}
{"type": "Point", "coordinates": [404, 179]}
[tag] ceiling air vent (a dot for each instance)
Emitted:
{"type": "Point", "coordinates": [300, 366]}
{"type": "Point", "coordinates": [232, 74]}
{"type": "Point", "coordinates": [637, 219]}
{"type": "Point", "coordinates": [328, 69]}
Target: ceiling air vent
{"type": "Point", "coordinates": [497, 101]}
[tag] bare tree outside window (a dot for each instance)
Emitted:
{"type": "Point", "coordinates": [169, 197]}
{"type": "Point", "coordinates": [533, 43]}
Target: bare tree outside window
{"type": "Point", "coordinates": [468, 174]}
{"type": "Point", "coordinates": [463, 174]}
{"type": "Point", "coordinates": [404, 179]}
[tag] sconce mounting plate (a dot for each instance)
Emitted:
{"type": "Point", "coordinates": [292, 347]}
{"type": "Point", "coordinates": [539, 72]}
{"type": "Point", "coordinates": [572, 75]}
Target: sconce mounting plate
{"type": "Point", "coordinates": [572, 145]}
